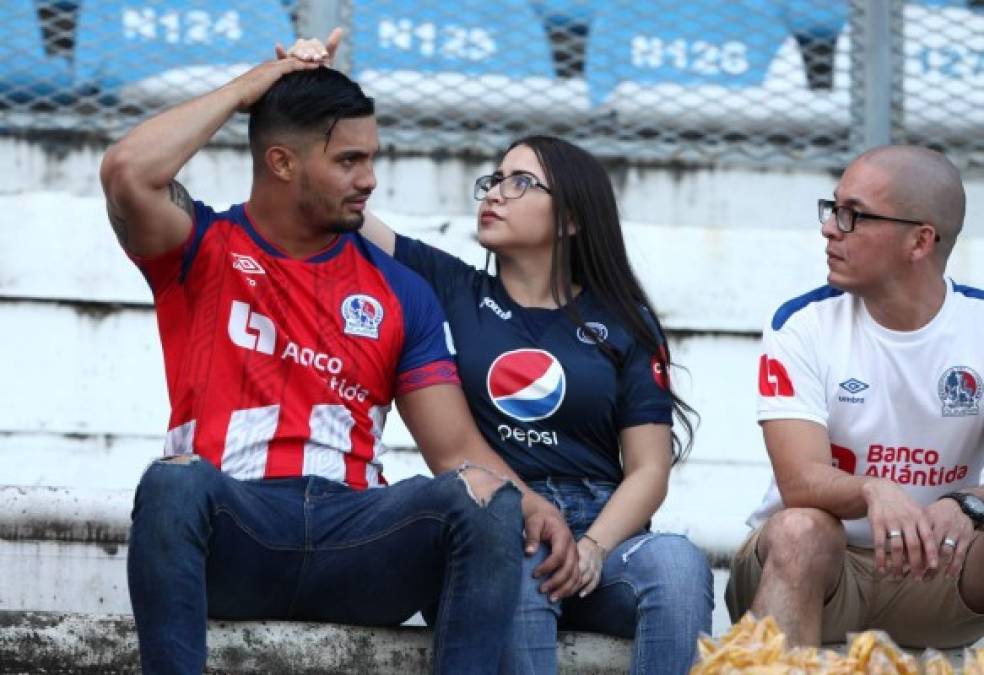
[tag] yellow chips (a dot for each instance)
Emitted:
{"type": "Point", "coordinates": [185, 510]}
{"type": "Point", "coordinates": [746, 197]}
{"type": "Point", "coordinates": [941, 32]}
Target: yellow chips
{"type": "Point", "coordinates": [759, 648]}
{"type": "Point", "coordinates": [973, 662]}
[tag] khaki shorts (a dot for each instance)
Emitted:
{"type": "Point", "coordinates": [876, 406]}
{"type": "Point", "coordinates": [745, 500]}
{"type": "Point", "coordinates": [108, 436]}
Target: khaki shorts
{"type": "Point", "coordinates": [913, 613]}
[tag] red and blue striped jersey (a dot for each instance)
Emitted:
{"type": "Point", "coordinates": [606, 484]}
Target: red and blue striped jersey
{"type": "Point", "coordinates": [279, 367]}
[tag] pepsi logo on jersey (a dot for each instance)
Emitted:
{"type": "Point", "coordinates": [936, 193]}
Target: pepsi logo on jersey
{"type": "Point", "coordinates": [526, 385]}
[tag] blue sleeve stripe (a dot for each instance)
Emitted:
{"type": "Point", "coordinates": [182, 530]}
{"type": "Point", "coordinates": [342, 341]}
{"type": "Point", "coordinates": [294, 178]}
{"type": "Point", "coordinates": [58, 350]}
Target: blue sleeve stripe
{"type": "Point", "coordinates": [969, 291]}
{"type": "Point", "coordinates": [790, 307]}
{"type": "Point", "coordinates": [414, 295]}
{"type": "Point", "coordinates": [204, 217]}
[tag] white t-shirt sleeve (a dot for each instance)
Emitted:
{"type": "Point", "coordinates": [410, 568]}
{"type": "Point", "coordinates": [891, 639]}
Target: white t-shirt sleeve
{"type": "Point", "coordinates": [791, 381]}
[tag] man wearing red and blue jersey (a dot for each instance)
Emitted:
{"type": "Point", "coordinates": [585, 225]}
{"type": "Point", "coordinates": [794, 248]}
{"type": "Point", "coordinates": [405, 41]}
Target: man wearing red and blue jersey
{"type": "Point", "coordinates": [286, 335]}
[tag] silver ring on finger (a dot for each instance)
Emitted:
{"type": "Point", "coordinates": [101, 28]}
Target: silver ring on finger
{"type": "Point", "coordinates": [949, 541]}
{"type": "Point", "coordinates": [892, 534]}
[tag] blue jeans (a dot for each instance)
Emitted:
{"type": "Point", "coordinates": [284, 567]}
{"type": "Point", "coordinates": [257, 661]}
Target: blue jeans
{"type": "Point", "coordinates": [206, 545]}
{"type": "Point", "coordinates": [655, 588]}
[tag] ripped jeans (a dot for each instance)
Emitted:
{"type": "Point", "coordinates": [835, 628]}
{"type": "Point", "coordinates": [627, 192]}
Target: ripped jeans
{"type": "Point", "coordinates": [655, 587]}
{"type": "Point", "coordinates": [204, 544]}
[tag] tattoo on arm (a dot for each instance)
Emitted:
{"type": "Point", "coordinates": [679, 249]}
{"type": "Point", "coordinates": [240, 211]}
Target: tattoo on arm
{"type": "Point", "coordinates": [179, 195]}
{"type": "Point", "coordinates": [120, 226]}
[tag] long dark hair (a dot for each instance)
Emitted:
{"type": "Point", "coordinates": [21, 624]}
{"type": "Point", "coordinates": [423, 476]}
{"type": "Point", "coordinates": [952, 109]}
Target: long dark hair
{"type": "Point", "coordinates": [594, 256]}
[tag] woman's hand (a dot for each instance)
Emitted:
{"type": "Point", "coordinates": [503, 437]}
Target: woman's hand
{"type": "Point", "coordinates": [591, 557]}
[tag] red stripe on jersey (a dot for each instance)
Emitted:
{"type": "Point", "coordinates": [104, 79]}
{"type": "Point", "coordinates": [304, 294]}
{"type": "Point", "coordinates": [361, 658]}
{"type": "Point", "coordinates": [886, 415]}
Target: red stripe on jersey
{"type": "Point", "coordinates": [438, 372]}
{"type": "Point", "coordinates": [210, 436]}
{"type": "Point", "coordinates": [285, 457]}
{"type": "Point", "coordinates": [362, 452]}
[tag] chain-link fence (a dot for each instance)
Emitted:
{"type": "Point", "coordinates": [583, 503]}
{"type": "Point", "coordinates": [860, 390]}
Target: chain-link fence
{"type": "Point", "coordinates": [750, 81]}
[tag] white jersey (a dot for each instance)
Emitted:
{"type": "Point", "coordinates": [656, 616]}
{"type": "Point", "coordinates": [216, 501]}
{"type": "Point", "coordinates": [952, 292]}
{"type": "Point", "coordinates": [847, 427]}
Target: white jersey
{"type": "Point", "coordinates": [899, 405]}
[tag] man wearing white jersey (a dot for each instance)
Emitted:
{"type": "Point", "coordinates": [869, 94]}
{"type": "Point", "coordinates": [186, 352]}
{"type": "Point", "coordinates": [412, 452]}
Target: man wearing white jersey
{"type": "Point", "coordinates": [870, 403]}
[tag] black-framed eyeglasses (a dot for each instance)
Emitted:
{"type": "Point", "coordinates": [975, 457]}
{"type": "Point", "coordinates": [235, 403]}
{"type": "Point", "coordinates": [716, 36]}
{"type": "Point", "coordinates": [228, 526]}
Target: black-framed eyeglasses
{"type": "Point", "coordinates": [846, 218]}
{"type": "Point", "coordinates": [510, 187]}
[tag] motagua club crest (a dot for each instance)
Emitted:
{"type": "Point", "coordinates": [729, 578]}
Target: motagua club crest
{"type": "Point", "coordinates": [362, 314]}
{"type": "Point", "coordinates": [960, 390]}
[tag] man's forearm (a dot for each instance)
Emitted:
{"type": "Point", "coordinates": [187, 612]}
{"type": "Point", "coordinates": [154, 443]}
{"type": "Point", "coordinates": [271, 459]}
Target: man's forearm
{"type": "Point", "coordinates": [478, 454]}
{"type": "Point", "coordinates": [156, 149]}
{"type": "Point", "coordinates": [826, 488]}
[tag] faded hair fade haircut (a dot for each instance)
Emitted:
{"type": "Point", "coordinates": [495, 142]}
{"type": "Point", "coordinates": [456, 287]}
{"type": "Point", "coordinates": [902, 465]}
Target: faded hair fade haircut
{"type": "Point", "coordinates": [305, 101]}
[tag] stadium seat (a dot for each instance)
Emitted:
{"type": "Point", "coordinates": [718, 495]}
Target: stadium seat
{"type": "Point", "coordinates": [566, 12]}
{"type": "Point", "coordinates": [705, 64]}
{"type": "Point", "coordinates": [816, 26]}
{"type": "Point", "coordinates": [943, 87]}
{"type": "Point", "coordinates": [420, 59]}
{"type": "Point", "coordinates": [26, 72]}
{"type": "Point", "coordinates": [158, 53]}
{"type": "Point", "coordinates": [815, 19]}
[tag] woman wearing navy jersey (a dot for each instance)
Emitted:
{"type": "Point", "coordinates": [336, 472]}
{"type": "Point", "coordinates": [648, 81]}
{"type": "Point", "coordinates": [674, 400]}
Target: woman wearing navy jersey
{"type": "Point", "coordinates": [564, 366]}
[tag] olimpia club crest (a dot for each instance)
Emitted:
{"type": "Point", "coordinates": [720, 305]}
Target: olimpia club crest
{"type": "Point", "coordinates": [362, 314]}
{"type": "Point", "coordinates": [960, 391]}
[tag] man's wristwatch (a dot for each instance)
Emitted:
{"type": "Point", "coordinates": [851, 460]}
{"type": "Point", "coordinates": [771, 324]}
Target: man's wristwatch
{"type": "Point", "coordinates": [971, 505]}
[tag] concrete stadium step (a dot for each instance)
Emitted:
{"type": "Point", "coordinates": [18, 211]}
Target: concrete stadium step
{"type": "Point", "coordinates": [83, 644]}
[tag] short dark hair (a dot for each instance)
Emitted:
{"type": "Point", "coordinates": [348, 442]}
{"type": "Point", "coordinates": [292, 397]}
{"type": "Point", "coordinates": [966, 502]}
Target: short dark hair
{"type": "Point", "coordinates": [305, 101]}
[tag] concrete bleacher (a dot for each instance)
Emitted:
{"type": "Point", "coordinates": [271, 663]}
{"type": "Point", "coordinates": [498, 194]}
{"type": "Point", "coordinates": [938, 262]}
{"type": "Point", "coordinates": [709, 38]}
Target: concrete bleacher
{"type": "Point", "coordinates": [717, 247]}
{"type": "Point", "coordinates": [36, 642]}
{"type": "Point", "coordinates": [65, 550]}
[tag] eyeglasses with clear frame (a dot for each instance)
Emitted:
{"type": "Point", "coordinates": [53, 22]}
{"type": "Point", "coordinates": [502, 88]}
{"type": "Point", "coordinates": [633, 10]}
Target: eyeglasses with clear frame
{"type": "Point", "coordinates": [846, 218]}
{"type": "Point", "coordinates": [510, 187]}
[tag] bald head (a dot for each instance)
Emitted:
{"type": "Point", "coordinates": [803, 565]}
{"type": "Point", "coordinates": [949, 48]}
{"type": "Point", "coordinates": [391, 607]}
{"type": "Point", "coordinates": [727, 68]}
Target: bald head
{"type": "Point", "coordinates": [924, 185]}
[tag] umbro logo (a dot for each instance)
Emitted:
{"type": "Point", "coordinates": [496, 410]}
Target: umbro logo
{"type": "Point", "coordinates": [853, 386]}
{"type": "Point", "coordinates": [247, 266]}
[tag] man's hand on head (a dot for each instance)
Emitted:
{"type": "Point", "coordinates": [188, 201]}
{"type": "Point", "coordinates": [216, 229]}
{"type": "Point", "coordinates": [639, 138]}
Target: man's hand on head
{"type": "Point", "coordinates": [251, 85]}
{"type": "Point", "coordinates": [545, 525]}
{"type": "Point", "coordinates": [900, 526]}
{"type": "Point", "coordinates": [313, 50]}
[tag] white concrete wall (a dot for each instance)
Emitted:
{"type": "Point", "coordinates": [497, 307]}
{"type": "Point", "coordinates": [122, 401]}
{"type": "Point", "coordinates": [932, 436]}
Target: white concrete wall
{"type": "Point", "coordinates": [84, 404]}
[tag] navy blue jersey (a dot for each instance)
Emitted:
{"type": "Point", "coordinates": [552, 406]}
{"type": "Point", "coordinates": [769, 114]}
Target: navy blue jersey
{"type": "Point", "coordinates": [544, 394]}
